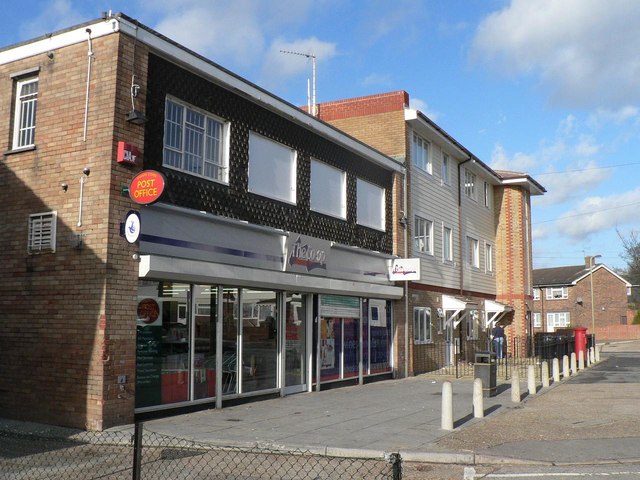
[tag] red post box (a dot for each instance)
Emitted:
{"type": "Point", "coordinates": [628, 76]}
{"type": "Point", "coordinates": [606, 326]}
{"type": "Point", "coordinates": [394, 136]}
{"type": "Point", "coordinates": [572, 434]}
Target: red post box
{"type": "Point", "coordinates": [581, 342]}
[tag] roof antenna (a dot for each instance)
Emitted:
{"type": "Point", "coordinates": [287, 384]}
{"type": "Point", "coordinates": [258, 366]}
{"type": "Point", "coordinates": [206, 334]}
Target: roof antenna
{"type": "Point", "coordinates": [311, 92]}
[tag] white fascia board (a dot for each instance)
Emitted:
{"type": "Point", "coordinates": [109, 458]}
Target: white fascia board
{"type": "Point", "coordinates": [417, 123]}
{"type": "Point", "coordinates": [197, 64]}
{"type": "Point", "coordinates": [59, 40]}
{"type": "Point", "coordinates": [598, 267]}
{"type": "Point", "coordinates": [526, 183]}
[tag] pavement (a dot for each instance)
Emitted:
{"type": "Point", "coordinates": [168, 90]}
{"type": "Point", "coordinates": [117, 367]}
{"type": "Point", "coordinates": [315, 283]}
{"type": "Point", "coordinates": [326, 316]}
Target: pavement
{"type": "Point", "coordinates": [590, 417]}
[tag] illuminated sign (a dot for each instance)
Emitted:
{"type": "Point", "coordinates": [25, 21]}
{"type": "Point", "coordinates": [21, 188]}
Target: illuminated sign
{"type": "Point", "coordinates": [127, 153]}
{"type": "Point", "coordinates": [404, 269]}
{"type": "Point", "coordinates": [147, 187]}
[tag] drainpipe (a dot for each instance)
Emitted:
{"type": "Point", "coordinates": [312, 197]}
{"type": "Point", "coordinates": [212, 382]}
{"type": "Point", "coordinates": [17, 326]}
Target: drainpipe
{"type": "Point", "coordinates": [86, 99]}
{"type": "Point", "coordinates": [406, 284]}
{"type": "Point", "coordinates": [460, 239]}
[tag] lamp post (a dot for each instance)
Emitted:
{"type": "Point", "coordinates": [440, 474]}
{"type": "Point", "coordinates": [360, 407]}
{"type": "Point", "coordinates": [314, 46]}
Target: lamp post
{"type": "Point", "coordinates": [593, 308]}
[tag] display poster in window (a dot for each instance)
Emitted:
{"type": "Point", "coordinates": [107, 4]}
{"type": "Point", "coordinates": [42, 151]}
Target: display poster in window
{"type": "Point", "coordinates": [327, 344]}
{"type": "Point", "coordinates": [148, 354]}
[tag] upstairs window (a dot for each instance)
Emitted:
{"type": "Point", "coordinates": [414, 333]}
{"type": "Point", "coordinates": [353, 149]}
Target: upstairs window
{"type": "Point", "coordinates": [469, 184]}
{"type": "Point", "coordinates": [24, 120]}
{"type": "Point", "coordinates": [423, 236]}
{"type": "Point", "coordinates": [488, 257]}
{"type": "Point", "coordinates": [272, 169]}
{"type": "Point", "coordinates": [473, 252]}
{"type": "Point", "coordinates": [422, 154]}
{"type": "Point", "coordinates": [328, 190]}
{"type": "Point", "coordinates": [42, 232]}
{"type": "Point", "coordinates": [536, 294]}
{"type": "Point", "coordinates": [447, 244]}
{"type": "Point", "coordinates": [195, 141]}
{"type": "Point", "coordinates": [370, 205]}
{"type": "Point", "coordinates": [557, 293]}
{"type": "Point", "coordinates": [446, 167]}
{"type": "Point", "coordinates": [487, 195]}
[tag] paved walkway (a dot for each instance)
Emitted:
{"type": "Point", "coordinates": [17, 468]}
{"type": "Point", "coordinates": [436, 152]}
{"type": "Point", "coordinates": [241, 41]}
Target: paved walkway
{"type": "Point", "coordinates": [591, 416]}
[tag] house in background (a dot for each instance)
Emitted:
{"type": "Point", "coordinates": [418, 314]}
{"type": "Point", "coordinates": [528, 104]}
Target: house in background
{"type": "Point", "coordinates": [469, 226]}
{"type": "Point", "coordinates": [249, 259]}
{"type": "Point", "coordinates": [588, 296]}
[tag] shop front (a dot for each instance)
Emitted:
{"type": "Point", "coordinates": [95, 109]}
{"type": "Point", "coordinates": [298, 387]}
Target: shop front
{"type": "Point", "coordinates": [229, 310]}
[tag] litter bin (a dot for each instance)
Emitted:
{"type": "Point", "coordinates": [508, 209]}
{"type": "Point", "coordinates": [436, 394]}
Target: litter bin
{"type": "Point", "coordinates": [485, 369]}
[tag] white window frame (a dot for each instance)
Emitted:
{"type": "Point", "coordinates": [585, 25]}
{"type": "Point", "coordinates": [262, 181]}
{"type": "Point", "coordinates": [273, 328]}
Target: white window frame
{"type": "Point", "coordinates": [422, 325]}
{"type": "Point", "coordinates": [328, 189]}
{"type": "Point", "coordinates": [473, 252]}
{"type": "Point", "coordinates": [423, 148]}
{"type": "Point", "coordinates": [558, 320]}
{"type": "Point", "coordinates": [371, 203]}
{"type": "Point", "coordinates": [447, 244]}
{"type": "Point", "coordinates": [446, 169]}
{"type": "Point", "coordinates": [488, 257]}
{"type": "Point", "coordinates": [487, 195]}
{"type": "Point", "coordinates": [189, 155]}
{"type": "Point", "coordinates": [272, 169]}
{"type": "Point", "coordinates": [536, 294]}
{"type": "Point", "coordinates": [42, 232]}
{"type": "Point", "coordinates": [24, 119]}
{"type": "Point", "coordinates": [557, 293]}
{"type": "Point", "coordinates": [470, 180]}
{"type": "Point", "coordinates": [423, 235]}
{"type": "Point", "coordinates": [537, 320]}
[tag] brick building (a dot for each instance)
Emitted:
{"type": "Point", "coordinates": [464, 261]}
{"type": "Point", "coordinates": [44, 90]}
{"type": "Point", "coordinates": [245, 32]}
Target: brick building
{"type": "Point", "coordinates": [262, 268]}
{"type": "Point", "coordinates": [469, 225]}
{"type": "Point", "coordinates": [589, 295]}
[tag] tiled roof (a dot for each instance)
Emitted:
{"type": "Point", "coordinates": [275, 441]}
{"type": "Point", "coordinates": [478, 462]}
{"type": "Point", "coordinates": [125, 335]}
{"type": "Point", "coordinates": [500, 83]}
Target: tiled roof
{"type": "Point", "coordinates": [558, 275]}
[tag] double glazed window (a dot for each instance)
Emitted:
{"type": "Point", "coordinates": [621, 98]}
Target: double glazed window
{"type": "Point", "coordinates": [272, 169]}
{"type": "Point", "coordinates": [446, 167]}
{"type": "Point", "coordinates": [447, 244]}
{"type": "Point", "coordinates": [370, 205]}
{"type": "Point", "coordinates": [328, 190]}
{"type": "Point", "coordinates": [422, 325]}
{"type": "Point", "coordinates": [473, 252]}
{"type": "Point", "coordinates": [24, 124]}
{"type": "Point", "coordinates": [469, 184]}
{"type": "Point", "coordinates": [421, 154]}
{"type": "Point", "coordinates": [423, 236]}
{"type": "Point", "coordinates": [558, 320]}
{"type": "Point", "coordinates": [195, 141]}
{"type": "Point", "coordinates": [557, 293]}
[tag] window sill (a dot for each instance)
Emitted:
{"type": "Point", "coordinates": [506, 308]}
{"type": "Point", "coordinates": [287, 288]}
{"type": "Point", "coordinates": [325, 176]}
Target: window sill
{"type": "Point", "coordinates": [20, 150]}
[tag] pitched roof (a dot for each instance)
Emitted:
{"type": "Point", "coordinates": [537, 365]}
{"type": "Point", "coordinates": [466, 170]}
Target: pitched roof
{"type": "Point", "coordinates": [558, 275]}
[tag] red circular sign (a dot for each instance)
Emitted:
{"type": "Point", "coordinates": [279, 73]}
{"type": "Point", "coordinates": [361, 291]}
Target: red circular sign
{"type": "Point", "coordinates": [147, 187]}
{"type": "Point", "coordinates": [148, 310]}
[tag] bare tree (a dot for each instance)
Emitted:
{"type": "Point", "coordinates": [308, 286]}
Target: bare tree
{"type": "Point", "coordinates": [631, 255]}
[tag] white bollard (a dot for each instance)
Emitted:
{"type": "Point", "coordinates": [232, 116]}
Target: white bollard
{"type": "Point", "coordinates": [545, 374]}
{"type": "Point", "coordinates": [478, 401]}
{"type": "Point", "coordinates": [565, 366]}
{"type": "Point", "coordinates": [588, 358]}
{"type": "Point", "coordinates": [556, 370]}
{"type": "Point", "coordinates": [447, 406]}
{"type": "Point", "coordinates": [574, 368]}
{"type": "Point", "coordinates": [515, 387]}
{"type": "Point", "coordinates": [581, 360]}
{"type": "Point", "coordinates": [531, 379]}
{"type": "Point", "coordinates": [597, 352]}
{"type": "Point", "coordinates": [592, 355]}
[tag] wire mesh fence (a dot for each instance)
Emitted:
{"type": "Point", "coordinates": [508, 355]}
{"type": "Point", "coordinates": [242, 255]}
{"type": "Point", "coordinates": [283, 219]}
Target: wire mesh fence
{"type": "Point", "coordinates": [137, 454]}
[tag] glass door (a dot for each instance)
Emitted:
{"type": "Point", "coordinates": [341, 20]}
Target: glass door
{"type": "Point", "coordinates": [295, 343]}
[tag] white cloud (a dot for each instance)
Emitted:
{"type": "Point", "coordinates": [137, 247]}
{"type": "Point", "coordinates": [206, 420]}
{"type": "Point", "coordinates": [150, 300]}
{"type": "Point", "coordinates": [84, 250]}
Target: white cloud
{"type": "Point", "coordinates": [419, 104]}
{"type": "Point", "coordinates": [561, 186]}
{"type": "Point", "coordinates": [520, 162]}
{"type": "Point", "coordinates": [618, 116]}
{"type": "Point", "coordinates": [54, 16]}
{"type": "Point", "coordinates": [586, 146]}
{"type": "Point", "coordinates": [377, 79]}
{"type": "Point", "coordinates": [595, 214]}
{"type": "Point", "coordinates": [583, 51]}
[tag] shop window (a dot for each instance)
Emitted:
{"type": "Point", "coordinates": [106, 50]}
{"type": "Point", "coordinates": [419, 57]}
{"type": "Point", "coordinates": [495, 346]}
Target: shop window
{"type": "Point", "coordinates": [370, 205]}
{"type": "Point", "coordinates": [195, 141]}
{"type": "Point", "coordinates": [42, 232]}
{"type": "Point", "coordinates": [272, 169]}
{"type": "Point", "coordinates": [24, 119]}
{"type": "Point", "coordinates": [328, 190]}
{"type": "Point", "coordinates": [422, 325]}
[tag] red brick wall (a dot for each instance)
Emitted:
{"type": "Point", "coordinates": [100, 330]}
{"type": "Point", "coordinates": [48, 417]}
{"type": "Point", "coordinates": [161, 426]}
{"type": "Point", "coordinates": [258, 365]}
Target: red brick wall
{"type": "Point", "coordinates": [68, 326]}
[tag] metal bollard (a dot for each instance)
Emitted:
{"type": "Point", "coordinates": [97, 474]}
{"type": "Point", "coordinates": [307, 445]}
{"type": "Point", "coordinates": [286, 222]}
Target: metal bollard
{"type": "Point", "coordinates": [556, 370]}
{"type": "Point", "coordinates": [531, 379]}
{"type": "Point", "coordinates": [581, 360]}
{"type": "Point", "coordinates": [515, 387]}
{"type": "Point", "coordinates": [447, 406]}
{"type": "Point", "coordinates": [545, 374]}
{"type": "Point", "coordinates": [565, 366]}
{"type": "Point", "coordinates": [574, 368]}
{"type": "Point", "coordinates": [478, 402]}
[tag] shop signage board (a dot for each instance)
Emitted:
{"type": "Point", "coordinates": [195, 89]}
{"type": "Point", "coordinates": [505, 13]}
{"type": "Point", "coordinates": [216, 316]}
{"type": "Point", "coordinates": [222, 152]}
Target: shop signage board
{"type": "Point", "coordinates": [404, 269]}
{"type": "Point", "coordinates": [127, 154]}
{"type": "Point", "coordinates": [307, 254]}
{"type": "Point", "coordinates": [147, 187]}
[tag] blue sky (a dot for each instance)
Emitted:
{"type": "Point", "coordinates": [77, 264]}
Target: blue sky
{"type": "Point", "coordinates": [547, 87]}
